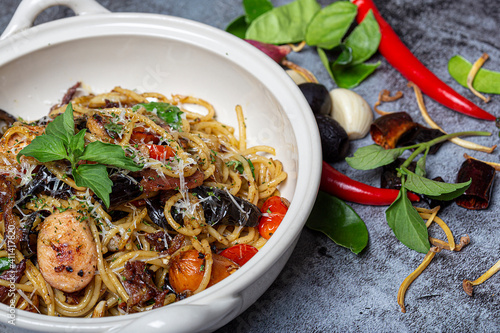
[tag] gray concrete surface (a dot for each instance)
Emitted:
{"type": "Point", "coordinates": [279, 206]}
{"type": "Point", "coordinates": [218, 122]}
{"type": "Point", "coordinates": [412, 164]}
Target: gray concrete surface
{"type": "Point", "coordinates": [326, 288]}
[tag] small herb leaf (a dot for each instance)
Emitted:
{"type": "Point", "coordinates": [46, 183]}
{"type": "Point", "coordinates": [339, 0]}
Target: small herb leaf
{"type": "Point", "coordinates": [284, 24]}
{"type": "Point", "coordinates": [255, 8]}
{"type": "Point", "coordinates": [433, 189]}
{"type": "Point", "coordinates": [373, 156]}
{"type": "Point", "coordinates": [339, 222]}
{"type": "Point", "coordinates": [95, 177]}
{"type": "Point", "coordinates": [166, 111]}
{"type": "Point", "coordinates": [364, 39]}
{"type": "Point", "coordinates": [63, 126]}
{"type": "Point", "coordinates": [350, 76]}
{"type": "Point", "coordinates": [407, 224]}
{"type": "Point", "coordinates": [45, 148]}
{"type": "Point", "coordinates": [110, 154]}
{"type": "Point", "coordinates": [330, 24]}
{"type": "Point", "coordinates": [4, 264]}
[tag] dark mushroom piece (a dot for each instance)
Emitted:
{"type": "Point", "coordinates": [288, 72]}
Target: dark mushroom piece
{"type": "Point", "coordinates": [220, 206]}
{"type": "Point", "coordinates": [478, 195]}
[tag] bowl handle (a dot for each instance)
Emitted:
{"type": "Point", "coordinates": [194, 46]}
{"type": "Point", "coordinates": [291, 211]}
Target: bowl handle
{"type": "Point", "coordinates": [181, 318]}
{"type": "Point", "coordinates": [28, 10]}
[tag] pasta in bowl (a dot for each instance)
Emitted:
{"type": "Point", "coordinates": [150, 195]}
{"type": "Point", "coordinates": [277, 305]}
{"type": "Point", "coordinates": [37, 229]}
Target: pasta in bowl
{"type": "Point", "coordinates": [125, 202]}
{"type": "Point", "coordinates": [175, 57]}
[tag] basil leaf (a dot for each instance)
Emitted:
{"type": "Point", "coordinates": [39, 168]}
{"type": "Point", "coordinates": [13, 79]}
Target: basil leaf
{"type": "Point", "coordinates": [420, 166]}
{"type": "Point", "coordinates": [485, 81]}
{"type": "Point", "coordinates": [364, 39]}
{"type": "Point", "coordinates": [76, 146]}
{"type": "Point", "coordinates": [63, 126]}
{"type": "Point", "coordinates": [4, 264]}
{"type": "Point", "coordinates": [238, 27]}
{"type": "Point", "coordinates": [166, 111]}
{"type": "Point", "coordinates": [339, 222]}
{"type": "Point", "coordinates": [432, 188]}
{"type": "Point", "coordinates": [349, 76]}
{"type": "Point", "coordinates": [325, 61]}
{"type": "Point", "coordinates": [407, 224]}
{"type": "Point", "coordinates": [255, 8]}
{"type": "Point", "coordinates": [373, 156]}
{"type": "Point", "coordinates": [345, 56]}
{"type": "Point", "coordinates": [95, 177]}
{"type": "Point", "coordinates": [110, 154]}
{"type": "Point", "coordinates": [284, 24]}
{"type": "Point", "coordinates": [330, 24]}
{"type": "Point", "coordinates": [45, 148]}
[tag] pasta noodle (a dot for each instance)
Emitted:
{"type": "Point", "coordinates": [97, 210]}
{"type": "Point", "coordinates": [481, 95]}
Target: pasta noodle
{"type": "Point", "coordinates": [156, 216]}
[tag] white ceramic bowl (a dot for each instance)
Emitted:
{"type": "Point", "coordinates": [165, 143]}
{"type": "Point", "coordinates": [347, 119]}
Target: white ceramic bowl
{"type": "Point", "coordinates": [169, 55]}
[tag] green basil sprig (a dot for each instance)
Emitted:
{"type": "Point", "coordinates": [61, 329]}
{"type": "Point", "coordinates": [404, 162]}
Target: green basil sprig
{"type": "Point", "coordinates": [339, 222]}
{"type": "Point", "coordinates": [401, 216]}
{"type": "Point", "coordinates": [61, 143]}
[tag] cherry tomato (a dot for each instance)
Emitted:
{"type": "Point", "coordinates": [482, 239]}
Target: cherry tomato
{"type": "Point", "coordinates": [159, 152]}
{"type": "Point", "coordinates": [141, 135]}
{"type": "Point", "coordinates": [240, 253]}
{"type": "Point", "coordinates": [273, 210]}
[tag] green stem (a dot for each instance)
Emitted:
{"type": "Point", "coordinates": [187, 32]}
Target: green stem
{"type": "Point", "coordinates": [425, 145]}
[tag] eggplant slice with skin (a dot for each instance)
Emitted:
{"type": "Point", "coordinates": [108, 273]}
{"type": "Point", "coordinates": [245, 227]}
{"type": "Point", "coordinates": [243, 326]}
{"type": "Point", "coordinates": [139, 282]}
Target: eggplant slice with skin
{"type": "Point", "coordinates": [478, 195]}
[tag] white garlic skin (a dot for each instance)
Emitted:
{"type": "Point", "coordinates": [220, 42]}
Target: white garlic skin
{"type": "Point", "coordinates": [296, 77]}
{"type": "Point", "coordinates": [352, 112]}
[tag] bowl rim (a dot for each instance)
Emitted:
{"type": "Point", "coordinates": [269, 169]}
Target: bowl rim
{"type": "Point", "coordinates": [139, 24]}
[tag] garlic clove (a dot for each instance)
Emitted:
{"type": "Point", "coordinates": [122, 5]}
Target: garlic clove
{"type": "Point", "coordinates": [352, 112]}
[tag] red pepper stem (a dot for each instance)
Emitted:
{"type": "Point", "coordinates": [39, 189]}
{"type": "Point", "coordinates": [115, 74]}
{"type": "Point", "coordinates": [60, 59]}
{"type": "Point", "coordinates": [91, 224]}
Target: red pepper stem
{"type": "Point", "coordinates": [403, 60]}
{"type": "Point", "coordinates": [347, 189]}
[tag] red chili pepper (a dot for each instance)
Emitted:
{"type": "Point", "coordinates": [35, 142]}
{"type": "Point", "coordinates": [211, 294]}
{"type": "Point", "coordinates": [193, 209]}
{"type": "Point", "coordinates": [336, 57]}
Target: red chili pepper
{"type": "Point", "coordinates": [273, 211]}
{"type": "Point", "coordinates": [240, 253]}
{"type": "Point", "coordinates": [401, 58]}
{"type": "Point", "coordinates": [345, 188]}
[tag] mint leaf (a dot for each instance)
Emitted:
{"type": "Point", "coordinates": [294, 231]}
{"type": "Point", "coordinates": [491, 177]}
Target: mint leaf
{"type": "Point", "coordinates": [95, 177]}
{"type": "Point", "coordinates": [407, 224]}
{"type": "Point", "coordinates": [171, 114]}
{"type": "Point", "coordinates": [63, 126]}
{"type": "Point", "coordinates": [373, 156]}
{"type": "Point", "coordinates": [110, 154]}
{"type": "Point", "coordinates": [432, 188]}
{"type": "Point", "coordinates": [339, 222]}
{"type": "Point", "coordinates": [45, 148]}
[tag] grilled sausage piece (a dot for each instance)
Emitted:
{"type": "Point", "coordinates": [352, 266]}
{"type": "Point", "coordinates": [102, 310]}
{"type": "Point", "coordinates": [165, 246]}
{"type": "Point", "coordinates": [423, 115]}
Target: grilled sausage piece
{"type": "Point", "coordinates": [67, 253]}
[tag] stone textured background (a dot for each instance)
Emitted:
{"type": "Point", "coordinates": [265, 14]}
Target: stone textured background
{"type": "Point", "coordinates": [326, 288]}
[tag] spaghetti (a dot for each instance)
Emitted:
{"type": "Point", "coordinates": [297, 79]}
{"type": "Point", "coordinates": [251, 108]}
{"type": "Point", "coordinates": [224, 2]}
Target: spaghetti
{"type": "Point", "coordinates": [198, 192]}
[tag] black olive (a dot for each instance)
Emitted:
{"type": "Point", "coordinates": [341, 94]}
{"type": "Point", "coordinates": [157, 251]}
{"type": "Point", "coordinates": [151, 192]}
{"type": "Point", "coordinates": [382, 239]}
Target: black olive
{"type": "Point", "coordinates": [317, 96]}
{"type": "Point", "coordinates": [334, 140]}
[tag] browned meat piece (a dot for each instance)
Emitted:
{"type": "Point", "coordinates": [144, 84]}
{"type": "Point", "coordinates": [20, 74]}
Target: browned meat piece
{"type": "Point", "coordinates": [140, 286]}
{"type": "Point", "coordinates": [151, 181]}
